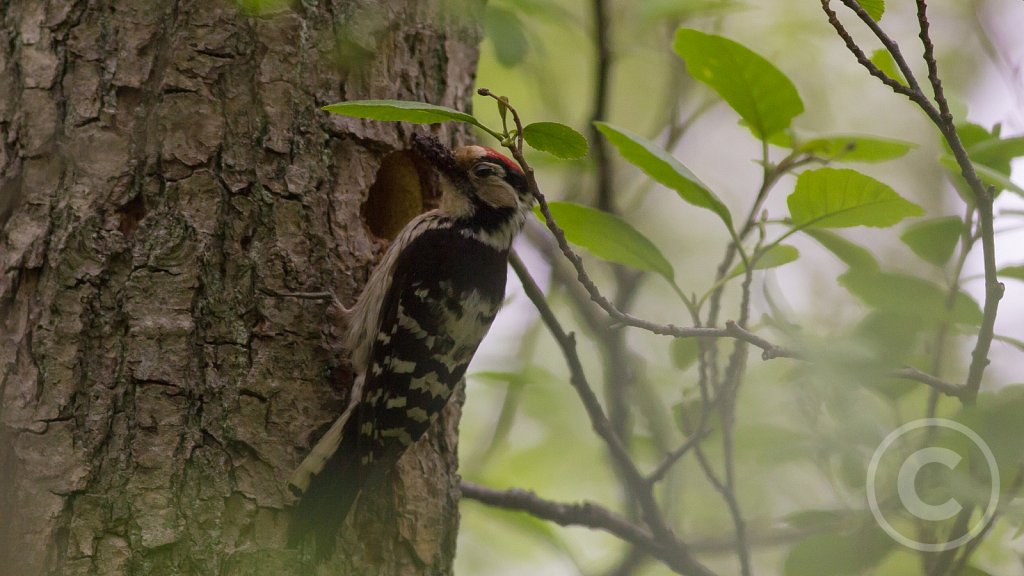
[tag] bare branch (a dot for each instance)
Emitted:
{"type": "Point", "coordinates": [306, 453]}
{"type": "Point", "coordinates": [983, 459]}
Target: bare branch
{"type": "Point", "coordinates": [939, 385]}
{"type": "Point", "coordinates": [729, 392]}
{"type": "Point", "coordinates": [640, 486]}
{"type": "Point", "coordinates": [672, 457]}
{"type": "Point", "coordinates": [866, 62]}
{"type": "Point", "coordinates": [892, 47]}
{"type": "Point", "coordinates": [588, 514]}
{"type": "Point", "coordinates": [942, 119]}
{"type": "Point", "coordinates": [602, 426]}
{"type": "Point", "coordinates": [929, 58]}
{"type": "Point", "coordinates": [592, 515]}
{"type": "Point", "coordinates": [602, 75]}
{"type": "Point", "coordinates": [771, 350]}
{"type": "Point", "coordinates": [972, 545]}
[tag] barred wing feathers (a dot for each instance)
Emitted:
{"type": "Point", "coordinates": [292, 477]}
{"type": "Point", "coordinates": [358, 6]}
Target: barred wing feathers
{"type": "Point", "coordinates": [446, 289]}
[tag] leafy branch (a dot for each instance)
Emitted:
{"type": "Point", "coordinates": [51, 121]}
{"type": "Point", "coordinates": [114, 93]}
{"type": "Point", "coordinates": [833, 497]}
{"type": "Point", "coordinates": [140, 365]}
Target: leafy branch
{"type": "Point", "coordinates": [938, 112]}
{"type": "Point", "coordinates": [937, 109]}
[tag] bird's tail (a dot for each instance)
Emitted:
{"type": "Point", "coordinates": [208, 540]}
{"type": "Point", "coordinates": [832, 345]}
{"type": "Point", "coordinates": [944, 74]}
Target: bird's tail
{"type": "Point", "coordinates": [327, 499]}
{"type": "Point", "coordinates": [327, 483]}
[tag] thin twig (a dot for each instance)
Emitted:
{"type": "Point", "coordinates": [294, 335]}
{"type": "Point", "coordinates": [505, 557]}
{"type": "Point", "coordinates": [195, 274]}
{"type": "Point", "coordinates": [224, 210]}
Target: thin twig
{"type": "Point", "coordinates": [593, 317]}
{"type": "Point", "coordinates": [941, 117]}
{"type": "Point", "coordinates": [983, 200]}
{"type": "Point", "coordinates": [730, 391]}
{"type": "Point", "coordinates": [595, 516]}
{"type": "Point", "coordinates": [967, 241]}
{"type": "Point", "coordinates": [769, 350]}
{"type": "Point", "coordinates": [672, 457]}
{"type": "Point", "coordinates": [929, 57]}
{"type": "Point", "coordinates": [731, 330]}
{"type": "Point", "coordinates": [939, 385]}
{"type": "Point", "coordinates": [640, 486]}
{"type": "Point", "coordinates": [891, 46]}
{"type": "Point", "coordinates": [602, 77]}
{"type": "Point", "coordinates": [709, 471]}
{"type": "Point", "coordinates": [972, 545]}
{"type": "Point", "coordinates": [863, 59]}
{"type": "Point", "coordinates": [770, 177]}
{"type": "Point", "coordinates": [586, 514]}
{"type": "Point", "coordinates": [618, 378]}
{"type": "Point", "coordinates": [946, 557]}
{"type": "Point", "coordinates": [602, 426]}
{"type": "Point", "coordinates": [567, 343]}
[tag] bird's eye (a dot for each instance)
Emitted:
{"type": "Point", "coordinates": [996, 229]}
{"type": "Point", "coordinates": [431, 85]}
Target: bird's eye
{"type": "Point", "coordinates": [484, 170]}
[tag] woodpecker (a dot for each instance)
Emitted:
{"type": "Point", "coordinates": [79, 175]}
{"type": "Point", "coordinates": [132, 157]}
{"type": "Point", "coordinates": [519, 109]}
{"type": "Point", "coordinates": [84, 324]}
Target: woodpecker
{"type": "Point", "coordinates": [414, 330]}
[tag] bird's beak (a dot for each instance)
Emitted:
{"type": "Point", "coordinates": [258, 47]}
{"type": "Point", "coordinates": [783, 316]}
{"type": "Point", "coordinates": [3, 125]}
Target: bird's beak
{"type": "Point", "coordinates": [439, 156]}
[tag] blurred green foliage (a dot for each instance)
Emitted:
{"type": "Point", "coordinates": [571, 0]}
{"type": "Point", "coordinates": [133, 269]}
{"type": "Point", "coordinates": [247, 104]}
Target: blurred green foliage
{"type": "Point", "coordinates": [804, 432]}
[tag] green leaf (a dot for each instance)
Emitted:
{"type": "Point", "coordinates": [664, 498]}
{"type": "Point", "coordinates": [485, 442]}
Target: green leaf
{"type": "Point", "coordinates": [819, 520]}
{"type": "Point", "coordinates": [687, 414]}
{"type": "Point", "coordinates": [400, 111]}
{"type": "Point", "coordinates": [900, 561]}
{"type": "Point", "coordinates": [838, 554]}
{"type": "Point", "coordinates": [609, 237]}
{"type": "Point", "coordinates": [495, 376]}
{"type": "Point", "coordinates": [762, 95]}
{"type": "Point", "coordinates": [684, 352]}
{"type": "Point", "coordinates": [885, 62]}
{"type": "Point", "coordinates": [775, 256]}
{"type": "Point", "coordinates": [996, 153]}
{"type": "Point", "coordinates": [973, 571]}
{"type": "Point", "coordinates": [664, 168]}
{"type": "Point", "coordinates": [556, 139]}
{"type": "Point", "coordinates": [990, 155]}
{"type": "Point", "coordinates": [854, 256]}
{"type": "Point", "coordinates": [971, 135]}
{"type": "Point", "coordinates": [1016, 343]}
{"type": "Point", "coordinates": [988, 176]}
{"type": "Point", "coordinates": [840, 198]}
{"type": "Point", "coordinates": [934, 240]}
{"type": "Point", "coordinates": [1014, 272]}
{"type": "Point", "coordinates": [770, 445]}
{"type": "Point", "coordinates": [505, 31]}
{"type": "Point", "coordinates": [851, 148]}
{"type": "Point", "coordinates": [888, 339]}
{"type": "Point", "coordinates": [854, 549]}
{"type": "Point", "coordinates": [996, 418]}
{"type": "Point", "coordinates": [985, 147]}
{"type": "Point", "coordinates": [874, 8]}
{"type": "Point", "coordinates": [910, 296]}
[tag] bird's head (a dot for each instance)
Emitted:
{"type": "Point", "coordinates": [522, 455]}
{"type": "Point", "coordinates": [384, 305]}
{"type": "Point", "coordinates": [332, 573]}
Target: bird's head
{"type": "Point", "coordinates": [478, 179]}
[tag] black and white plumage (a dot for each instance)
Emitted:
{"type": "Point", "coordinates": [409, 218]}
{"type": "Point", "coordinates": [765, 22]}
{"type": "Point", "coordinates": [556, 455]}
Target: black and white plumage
{"type": "Point", "coordinates": [414, 330]}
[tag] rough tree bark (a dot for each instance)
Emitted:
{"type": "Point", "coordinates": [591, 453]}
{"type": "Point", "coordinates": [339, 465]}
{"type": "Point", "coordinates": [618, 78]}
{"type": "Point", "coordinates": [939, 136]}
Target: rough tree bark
{"type": "Point", "coordinates": [164, 168]}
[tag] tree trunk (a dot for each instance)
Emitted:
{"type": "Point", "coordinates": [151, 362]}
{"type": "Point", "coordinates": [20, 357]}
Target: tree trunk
{"type": "Point", "coordinates": [165, 173]}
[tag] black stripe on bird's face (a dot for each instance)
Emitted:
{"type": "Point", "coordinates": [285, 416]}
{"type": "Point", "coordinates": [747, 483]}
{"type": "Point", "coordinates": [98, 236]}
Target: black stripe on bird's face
{"type": "Point", "coordinates": [496, 180]}
{"type": "Point", "coordinates": [491, 186]}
